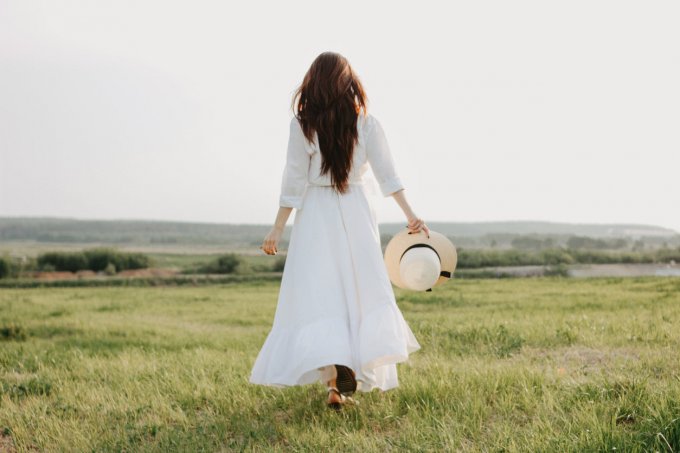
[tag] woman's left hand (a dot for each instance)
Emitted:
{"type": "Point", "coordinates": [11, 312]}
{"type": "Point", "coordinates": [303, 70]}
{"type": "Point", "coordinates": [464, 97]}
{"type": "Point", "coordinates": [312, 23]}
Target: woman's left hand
{"type": "Point", "coordinates": [271, 242]}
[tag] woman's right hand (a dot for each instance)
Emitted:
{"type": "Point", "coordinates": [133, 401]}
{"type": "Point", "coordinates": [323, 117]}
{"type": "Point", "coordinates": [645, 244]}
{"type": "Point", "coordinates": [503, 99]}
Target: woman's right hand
{"type": "Point", "coordinates": [271, 241]}
{"type": "Point", "coordinates": [416, 224]}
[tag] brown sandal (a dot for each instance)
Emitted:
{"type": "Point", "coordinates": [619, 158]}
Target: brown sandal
{"type": "Point", "coordinates": [346, 380]}
{"type": "Point", "coordinates": [336, 405]}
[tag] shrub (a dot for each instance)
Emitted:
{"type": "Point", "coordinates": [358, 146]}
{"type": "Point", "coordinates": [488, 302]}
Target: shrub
{"type": "Point", "coordinates": [133, 261]}
{"type": "Point", "coordinates": [223, 264]}
{"type": "Point", "coordinates": [99, 258]}
{"type": "Point", "coordinates": [96, 259]}
{"type": "Point", "coordinates": [6, 267]}
{"type": "Point", "coordinates": [666, 255]}
{"type": "Point", "coordinates": [471, 259]}
{"type": "Point", "coordinates": [244, 267]}
{"type": "Point", "coordinates": [556, 256]}
{"type": "Point", "coordinates": [226, 264]}
{"type": "Point", "coordinates": [279, 264]}
{"type": "Point", "coordinates": [557, 270]}
{"type": "Point", "coordinates": [110, 269]}
{"type": "Point", "coordinates": [63, 261]}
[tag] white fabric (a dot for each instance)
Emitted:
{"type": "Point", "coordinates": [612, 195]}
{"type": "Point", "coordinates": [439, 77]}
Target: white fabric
{"type": "Point", "coordinates": [419, 268]}
{"type": "Point", "coordinates": [303, 162]}
{"type": "Point", "coordinates": [336, 303]}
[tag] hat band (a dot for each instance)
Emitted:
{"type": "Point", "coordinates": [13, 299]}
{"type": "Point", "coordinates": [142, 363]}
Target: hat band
{"type": "Point", "coordinates": [446, 274]}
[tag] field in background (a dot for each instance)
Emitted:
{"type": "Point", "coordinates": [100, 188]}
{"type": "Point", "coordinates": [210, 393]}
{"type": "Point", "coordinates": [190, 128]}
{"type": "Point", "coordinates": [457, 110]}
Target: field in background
{"type": "Point", "coordinates": [544, 364]}
{"type": "Point", "coordinates": [174, 250]}
{"type": "Point", "coordinates": [151, 236]}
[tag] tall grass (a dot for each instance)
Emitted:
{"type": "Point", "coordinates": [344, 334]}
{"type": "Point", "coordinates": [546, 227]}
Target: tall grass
{"type": "Point", "coordinates": [516, 365]}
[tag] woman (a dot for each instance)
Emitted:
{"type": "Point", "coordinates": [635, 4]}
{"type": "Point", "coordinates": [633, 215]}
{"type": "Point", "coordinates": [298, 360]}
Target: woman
{"type": "Point", "coordinates": [336, 320]}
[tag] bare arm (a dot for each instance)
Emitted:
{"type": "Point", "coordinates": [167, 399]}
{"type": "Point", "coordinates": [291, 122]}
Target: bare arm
{"type": "Point", "coordinates": [400, 198]}
{"type": "Point", "coordinates": [380, 158]}
{"type": "Point", "coordinates": [282, 217]}
{"type": "Point", "coordinates": [415, 224]}
{"type": "Point", "coordinates": [271, 241]}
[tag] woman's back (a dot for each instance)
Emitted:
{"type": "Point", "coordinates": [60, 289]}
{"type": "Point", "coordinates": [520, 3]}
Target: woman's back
{"type": "Point", "coordinates": [371, 149]}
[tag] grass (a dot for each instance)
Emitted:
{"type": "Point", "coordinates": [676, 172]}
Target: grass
{"type": "Point", "coordinates": [541, 364]}
{"type": "Point", "coordinates": [191, 280]}
{"type": "Point", "coordinates": [193, 260]}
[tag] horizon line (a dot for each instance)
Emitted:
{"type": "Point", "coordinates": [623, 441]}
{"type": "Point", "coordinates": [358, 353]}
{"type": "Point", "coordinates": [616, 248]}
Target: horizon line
{"type": "Point", "coordinates": [554, 222]}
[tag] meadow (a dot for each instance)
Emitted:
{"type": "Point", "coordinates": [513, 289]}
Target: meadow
{"type": "Point", "coordinates": [537, 364]}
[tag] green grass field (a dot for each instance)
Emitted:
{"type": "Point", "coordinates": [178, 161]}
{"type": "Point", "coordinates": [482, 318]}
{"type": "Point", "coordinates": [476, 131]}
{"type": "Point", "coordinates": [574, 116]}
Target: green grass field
{"type": "Point", "coordinates": [543, 364]}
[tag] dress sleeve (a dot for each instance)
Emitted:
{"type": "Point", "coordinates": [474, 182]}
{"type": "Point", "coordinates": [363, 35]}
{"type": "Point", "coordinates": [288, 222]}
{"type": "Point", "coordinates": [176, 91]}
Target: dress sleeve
{"type": "Point", "coordinates": [294, 180]}
{"type": "Point", "coordinates": [380, 157]}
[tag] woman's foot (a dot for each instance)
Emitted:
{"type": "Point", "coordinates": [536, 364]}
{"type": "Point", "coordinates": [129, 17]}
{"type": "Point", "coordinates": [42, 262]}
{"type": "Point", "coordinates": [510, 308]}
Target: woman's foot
{"type": "Point", "coordinates": [335, 398]}
{"type": "Point", "coordinates": [341, 388]}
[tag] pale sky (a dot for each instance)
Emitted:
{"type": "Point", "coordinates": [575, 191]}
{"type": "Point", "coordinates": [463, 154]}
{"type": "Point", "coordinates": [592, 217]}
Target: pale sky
{"type": "Point", "coordinates": [560, 111]}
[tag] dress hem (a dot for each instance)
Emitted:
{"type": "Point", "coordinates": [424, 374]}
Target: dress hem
{"type": "Point", "coordinates": [377, 368]}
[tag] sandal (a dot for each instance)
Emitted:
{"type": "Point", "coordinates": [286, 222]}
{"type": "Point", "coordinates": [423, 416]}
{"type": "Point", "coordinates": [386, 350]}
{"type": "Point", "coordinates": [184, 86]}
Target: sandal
{"type": "Point", "coordinates": [346, 380]}
{"type": "Point", "coordinates": [336, 405]}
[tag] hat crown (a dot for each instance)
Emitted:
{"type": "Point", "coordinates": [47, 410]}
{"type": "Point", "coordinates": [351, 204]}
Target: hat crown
{"type": "Point", "coordinates": [419, 268]}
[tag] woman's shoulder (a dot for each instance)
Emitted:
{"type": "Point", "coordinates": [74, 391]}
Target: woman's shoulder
{"type": "Point", "coordinates": [369, 123]}
{"type": "Point", "coordinates": [295, 123]}
{"type": "Point", "coordinates": [296, 130]}
{"type": "Point", "coordinates": [296, 127]}
{"type": "Point", "coordinates": [366, 118]}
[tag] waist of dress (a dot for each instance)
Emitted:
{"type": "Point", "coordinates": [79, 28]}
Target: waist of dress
{"type": "Point", "coordinates": [353, 183]}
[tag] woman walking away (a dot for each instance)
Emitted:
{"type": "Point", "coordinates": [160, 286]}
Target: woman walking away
{"type": "Point", "coordinates": [336, 320]}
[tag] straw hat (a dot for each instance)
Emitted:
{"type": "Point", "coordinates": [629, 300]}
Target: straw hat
{"type": "Point", "coordinates": [417, 262]}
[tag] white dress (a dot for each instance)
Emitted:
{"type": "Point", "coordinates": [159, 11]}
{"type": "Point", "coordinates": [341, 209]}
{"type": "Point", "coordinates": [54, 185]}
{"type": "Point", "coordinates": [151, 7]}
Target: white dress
{"type": "Point", "coordinates": [336, 303]}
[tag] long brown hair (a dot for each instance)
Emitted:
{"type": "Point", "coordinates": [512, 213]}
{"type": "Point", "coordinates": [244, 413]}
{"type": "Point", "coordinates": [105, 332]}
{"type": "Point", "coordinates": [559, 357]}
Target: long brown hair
{"type": "Point", "coordinates": [330, 100]}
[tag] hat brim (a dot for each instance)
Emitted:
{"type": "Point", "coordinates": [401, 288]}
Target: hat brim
{"type": "Point", "coordinates": [402, 241]}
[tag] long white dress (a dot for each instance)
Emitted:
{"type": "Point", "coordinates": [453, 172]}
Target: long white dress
{"type": "Point", "coordinates": [336, 303]}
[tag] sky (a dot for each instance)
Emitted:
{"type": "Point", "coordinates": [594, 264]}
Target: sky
{"type": "Point", "coordinates": [493, 110]}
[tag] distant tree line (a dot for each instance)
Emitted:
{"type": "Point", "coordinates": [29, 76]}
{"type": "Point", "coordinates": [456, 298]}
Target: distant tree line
{"type": "Point", "coordinates": [472, 259]}
{"type": "Point", "coordinates": [544, 241]}
{"type": "Point", "coordinates": [478, 258]}
{"type": "Point", "coordinates": [111, 260]}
